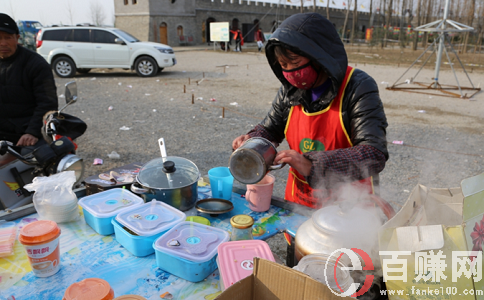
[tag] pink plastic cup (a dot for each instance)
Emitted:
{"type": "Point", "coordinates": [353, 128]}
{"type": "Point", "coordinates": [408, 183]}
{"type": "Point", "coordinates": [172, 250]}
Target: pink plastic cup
{"type": "Point", "coordinates": [259, 194]}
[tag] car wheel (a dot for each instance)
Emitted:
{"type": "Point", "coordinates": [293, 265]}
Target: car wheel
{"type": "Point", "coordinates": [83, 71]}
{"type": "Point", "coordinates": [64, 67]}
{"type": "Point", "coordinates": [146, 66]}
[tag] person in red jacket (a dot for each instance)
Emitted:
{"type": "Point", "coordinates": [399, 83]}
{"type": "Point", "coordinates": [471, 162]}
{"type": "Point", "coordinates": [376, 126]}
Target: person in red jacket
{"type": "Point", "coordinates": [259, 37]}
{"type": "Point", "coordinates": [239, 39]}
{"type": "Point", "coordinates": [330, 113]}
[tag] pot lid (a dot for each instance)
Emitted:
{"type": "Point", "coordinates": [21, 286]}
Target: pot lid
{"type": "Point", "coordinates": [192, 241]}
{"type": "Point", "coordinates": [349, 219]}
{"type": "Point", "coordinates": [168, 173]}
{"type": "Point", "coordinates": [150, 218]}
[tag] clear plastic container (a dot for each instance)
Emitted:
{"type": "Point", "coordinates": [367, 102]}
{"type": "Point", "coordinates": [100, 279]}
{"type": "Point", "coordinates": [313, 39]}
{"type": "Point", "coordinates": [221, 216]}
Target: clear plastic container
{"type": "Point", "coordinates": [189, 250]}
{"type": "Point", "coordinates": [101, 208]}
{"type": "Point", "coordinates": [138, 227]}
{"type": "Point", "coordinates": [150, 218]}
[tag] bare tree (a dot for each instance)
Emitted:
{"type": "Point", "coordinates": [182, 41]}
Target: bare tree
{"type": "Point", "coordinates": [370, 21]}
{"type": "Point", "coordinates": [388, 22]}
{"type": "Point", "coordinates": [97, 13]}
{"type": "Point", "coordinates": [427, 19]}
{"type": "Point", "coordinates": [403, 26]}
{"type": "Point", "coordinates": [415, 38]}
{"type": "Point", "coordinates": [346, 19]}
{"type": "Point", "coordinates": [355, 20]}
{"type": "Point", "coordinates": [70, 12]}
{"type": "Point", "coordinates": [470, 19]}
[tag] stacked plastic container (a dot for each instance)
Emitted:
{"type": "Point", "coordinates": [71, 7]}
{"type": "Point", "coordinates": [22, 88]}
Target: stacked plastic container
{"type": "Point", "coordinates": [138, 227]}
{"type": "Point", "coordinates": [236, 259]}
{"type": "Point", "coordinates": [101, 208]}
{"type": "Point", "coordinates": [189, 250]}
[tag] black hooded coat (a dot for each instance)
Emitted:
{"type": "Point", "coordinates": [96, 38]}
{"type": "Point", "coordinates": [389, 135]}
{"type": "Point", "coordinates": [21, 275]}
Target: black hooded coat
{"type": "Point", "coordinates": [313, 36]}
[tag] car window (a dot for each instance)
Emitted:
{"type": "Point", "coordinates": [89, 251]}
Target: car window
{"type": "Point", "coordinates": [126, 36]}
{"type": "Point", "coordinates": [82, 35]}
{"type": "Point", "coordinates": [36, 25]}
{"type": "Point", "coordinates": [101, 36]}
{"type": "Point", "coordinates": [56, 35]}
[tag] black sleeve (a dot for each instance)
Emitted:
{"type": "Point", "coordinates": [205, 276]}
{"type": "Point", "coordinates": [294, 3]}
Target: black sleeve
{"type": "Point", "coordinates": [45, 93]}
{"type": "Point", "coordinates": [365, 115]}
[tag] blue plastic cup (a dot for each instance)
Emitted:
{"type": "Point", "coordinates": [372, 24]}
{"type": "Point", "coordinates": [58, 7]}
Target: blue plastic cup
{"type": "Point", "coordinates": [221, 182]}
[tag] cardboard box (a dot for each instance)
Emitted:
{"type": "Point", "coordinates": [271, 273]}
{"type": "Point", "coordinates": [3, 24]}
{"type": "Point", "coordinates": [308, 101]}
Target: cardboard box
{"type": "Point", "coordinates": [434, 220]}
{"type": "Point", "coordinates": [271, 281]}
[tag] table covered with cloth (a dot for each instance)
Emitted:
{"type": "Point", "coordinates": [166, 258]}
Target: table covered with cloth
{"type": "Point", "coordinates": [86, 254]}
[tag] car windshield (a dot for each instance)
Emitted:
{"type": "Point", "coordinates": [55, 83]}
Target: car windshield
{"type": "Point", "coordinates": [36, 25]}
{"type": "Point", "coordinates": [128, 37]}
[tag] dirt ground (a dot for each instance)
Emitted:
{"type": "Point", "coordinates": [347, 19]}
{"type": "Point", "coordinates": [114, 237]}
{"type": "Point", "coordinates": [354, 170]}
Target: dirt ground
{"type": "Point", "coordinates": [210, 97]}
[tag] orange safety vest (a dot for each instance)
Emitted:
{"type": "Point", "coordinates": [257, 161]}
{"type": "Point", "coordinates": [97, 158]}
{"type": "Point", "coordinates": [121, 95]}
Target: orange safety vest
{"type": "Point", "coordinates": [319, 131]}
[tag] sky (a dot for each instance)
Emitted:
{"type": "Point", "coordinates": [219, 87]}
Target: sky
{"type": "Point", "coordinates": [50, 12]}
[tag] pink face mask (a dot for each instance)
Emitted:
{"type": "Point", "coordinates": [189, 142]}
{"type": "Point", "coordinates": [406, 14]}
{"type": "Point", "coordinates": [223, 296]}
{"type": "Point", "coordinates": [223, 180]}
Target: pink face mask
{"type": "Point", "coordinates": [302, 77]}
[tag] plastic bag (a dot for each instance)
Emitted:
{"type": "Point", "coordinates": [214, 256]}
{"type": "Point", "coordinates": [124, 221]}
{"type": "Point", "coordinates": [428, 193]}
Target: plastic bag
{"type": "Point", "coordinates": [54, 199]}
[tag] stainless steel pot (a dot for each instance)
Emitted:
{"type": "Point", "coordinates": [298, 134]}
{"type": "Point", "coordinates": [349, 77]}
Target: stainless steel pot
{"type": "Point", "coordinates": [170, 179]}
{"type": "Point", "coordinates": [333, 227]}
{"type": "Point", "coordinates": [251, 161]}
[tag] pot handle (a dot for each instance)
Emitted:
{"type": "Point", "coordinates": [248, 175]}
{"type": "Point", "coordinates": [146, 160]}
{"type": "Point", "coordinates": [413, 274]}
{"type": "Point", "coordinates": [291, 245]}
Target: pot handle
{"type": "Point", "coordinates": [276, 167]}
{"type": "Point", "coordinates": [135, 188]}
{"type": "Point", "coordinates": [384, 206]}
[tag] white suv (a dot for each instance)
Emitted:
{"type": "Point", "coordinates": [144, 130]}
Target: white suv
{"type": "Point", "coordinates": [71, 49]}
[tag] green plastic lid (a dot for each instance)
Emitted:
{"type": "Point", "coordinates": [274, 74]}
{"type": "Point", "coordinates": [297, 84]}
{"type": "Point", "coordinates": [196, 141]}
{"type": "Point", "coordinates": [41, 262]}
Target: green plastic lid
{"type": "Point", "coordinates": [198, 219]}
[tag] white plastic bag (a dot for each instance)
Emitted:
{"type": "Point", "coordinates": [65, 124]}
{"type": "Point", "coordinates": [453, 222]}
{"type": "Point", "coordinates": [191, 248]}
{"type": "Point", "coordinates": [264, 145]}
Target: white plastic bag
{"type": "Point", "coordinates": [54, 199]}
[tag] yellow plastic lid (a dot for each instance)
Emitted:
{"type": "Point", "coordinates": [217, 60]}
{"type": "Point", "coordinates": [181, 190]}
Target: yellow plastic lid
{"type": "Point", "coordinates": [241, 221]}
{"type": "Point", "coordinates": [39, 232]}
{"type": "Point", "coordinates": [130, 297]}
{"type": "Point", "coordinates": [198, 219]}
{"type": "Point", "coordinates": [89, 289]}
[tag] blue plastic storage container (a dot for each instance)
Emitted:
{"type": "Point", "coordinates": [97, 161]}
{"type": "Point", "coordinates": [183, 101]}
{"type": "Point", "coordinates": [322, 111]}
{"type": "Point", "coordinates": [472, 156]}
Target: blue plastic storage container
{"type": "Point", "coordinates": [189, 250]}
{"type": "Point", "coordinates": [136, 229]}
{"type": "Point", "coordinates": [99, 209]}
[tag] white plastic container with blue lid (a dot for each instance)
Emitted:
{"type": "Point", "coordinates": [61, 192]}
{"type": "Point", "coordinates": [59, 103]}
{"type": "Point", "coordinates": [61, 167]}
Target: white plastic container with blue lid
{"type": "Point", "coordinates": [99, 209]}
{"type": "Point", "coordinates": [189, 250]}
{"type": "Point", "coordinates": [137, 228]}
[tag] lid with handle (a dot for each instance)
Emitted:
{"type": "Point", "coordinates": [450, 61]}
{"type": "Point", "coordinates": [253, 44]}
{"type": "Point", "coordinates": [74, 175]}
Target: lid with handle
{"type": "Point", "coordinates": [192, 241]}
{"type": "Point", "coordinates": [150, 218]}
{"type": "Point", "coordinates": [109, 203]}
{"type": "Point", "coordinates": [168, 173]}
{"type": "Point", "coordinates": [89, 289]}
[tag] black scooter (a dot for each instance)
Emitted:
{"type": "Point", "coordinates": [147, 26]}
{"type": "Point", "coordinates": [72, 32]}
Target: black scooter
{"type": "Point", "coordinates": [57, 155]}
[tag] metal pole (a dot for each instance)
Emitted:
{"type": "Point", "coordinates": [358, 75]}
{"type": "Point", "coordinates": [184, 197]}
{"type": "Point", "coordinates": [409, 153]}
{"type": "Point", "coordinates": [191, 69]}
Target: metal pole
{"type": "Point", "coordinates": [441, 44]}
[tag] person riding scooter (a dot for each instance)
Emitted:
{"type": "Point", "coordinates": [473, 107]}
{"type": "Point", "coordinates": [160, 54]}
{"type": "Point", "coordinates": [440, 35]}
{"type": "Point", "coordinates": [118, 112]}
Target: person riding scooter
{"type": "Point", "coordinates": [27, 90]}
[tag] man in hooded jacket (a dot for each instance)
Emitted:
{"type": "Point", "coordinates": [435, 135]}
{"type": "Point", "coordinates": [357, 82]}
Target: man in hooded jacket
{"type": "Point", "coordinates": [27, 89]}
{"type": "Point", "coordinates": [330, 114]}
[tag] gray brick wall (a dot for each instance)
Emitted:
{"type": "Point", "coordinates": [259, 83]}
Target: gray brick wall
{"type": "Point", "coordinates": [143, 19]}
